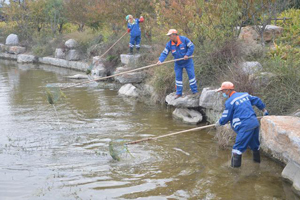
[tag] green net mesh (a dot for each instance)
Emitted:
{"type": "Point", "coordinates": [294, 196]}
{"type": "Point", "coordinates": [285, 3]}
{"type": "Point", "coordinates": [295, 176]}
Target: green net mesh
{"type": "Point", "coordinates": [54, 94]}
{"type": "Point", "coordinates": [117, 148]}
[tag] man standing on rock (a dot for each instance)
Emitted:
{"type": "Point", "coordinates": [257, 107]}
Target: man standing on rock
{"type": "Point", "coordinates": [239, 111]}
{"type": "Point", "coordinates": [135, 32]}
{"type": "Point", "coordinates": [180, 47]}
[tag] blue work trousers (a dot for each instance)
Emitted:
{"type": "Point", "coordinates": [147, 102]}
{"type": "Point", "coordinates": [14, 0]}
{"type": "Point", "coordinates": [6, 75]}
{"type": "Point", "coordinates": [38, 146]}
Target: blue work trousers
{"type": "Point", "coordinates": [246, 138]}
{"type": "Point", "coordinates": [135, 40]}
{"type": "Point", "coordinates": [189, 67]}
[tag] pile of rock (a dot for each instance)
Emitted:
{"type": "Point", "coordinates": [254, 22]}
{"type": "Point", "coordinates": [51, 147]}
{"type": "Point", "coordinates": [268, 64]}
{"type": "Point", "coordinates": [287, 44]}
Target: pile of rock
{"type": "Point", "coordinates": [70, 52]}
{"type": "Point", "coordinates": [130, 62]}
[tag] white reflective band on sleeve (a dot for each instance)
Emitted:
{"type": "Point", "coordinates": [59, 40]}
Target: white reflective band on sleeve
{"type": "Point", "coordinates": [236, 124]}
{"type": "Point", "coordinates": [240, 97]}
{"type": "Point", "coordinates": [236, 151]}
{"type": "Point", "coordinates": [224, 115]}
{"type": "Point", "coordinates": [225, 111]}
{"type": "Point", "coordinates": [165, 51]}
{"type": "Point", "coordinates": [236, 120]}
{"type": "Point", "coordinates": [190, 44]}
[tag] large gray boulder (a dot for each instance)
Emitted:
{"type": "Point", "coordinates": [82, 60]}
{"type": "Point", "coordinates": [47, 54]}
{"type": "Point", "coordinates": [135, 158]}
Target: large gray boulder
{"type": "Point", "coordinates": [211, 99]}
{"type": "Point", "coordinates": [73, 55]}
{"type": "Point", "coordinates": [261, 79]}
{"type": "Point", "coordinates": [297, 113]}
{"type": "Point", "coordinates": [251, 68]}
{"type": "Point", "coordinates": [130, 60]}
{"type": "Point", "coordinates": [213, 103]}
{"type": "Point", "coordinates": [24, 58]}
{"type": "Point", "coordinates": [16, 50]}
{"type": "Point", "coordinates": [186, 101]}
{"type": "Point", "coordinates": [71, 44]}
{"type": "Point", "coordinates": [291, 172]}
{"type": "Point", "coordinates": [250, 34]}
{"type": "Point", "coordinates": [188, 116]}
{"type": "Point", "coordinates": [59, 53]}
{"type": "Point", "coordinates": [99, 68]}
{"type": "Point", "coordinates": [271, 32]}
{"type": "Point", "coordinates": [12, 39]}
{"type": "Point", "coordinates": [278, 133]}
{"type": "Point", "coordinates": [129, 90]}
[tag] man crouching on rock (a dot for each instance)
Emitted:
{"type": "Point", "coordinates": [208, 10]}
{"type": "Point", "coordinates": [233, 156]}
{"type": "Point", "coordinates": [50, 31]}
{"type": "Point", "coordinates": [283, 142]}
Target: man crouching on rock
{"type": "Point", "coordinates": [239, 111]}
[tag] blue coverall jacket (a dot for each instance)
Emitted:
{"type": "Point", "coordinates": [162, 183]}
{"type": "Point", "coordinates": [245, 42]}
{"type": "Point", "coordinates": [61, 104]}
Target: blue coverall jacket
{"type": "Point", "coordinates": [135, 29]}
{"type": "Point", "coordinates": [240, 113]}
{"type": "Point", "coordinates": [135, 33]}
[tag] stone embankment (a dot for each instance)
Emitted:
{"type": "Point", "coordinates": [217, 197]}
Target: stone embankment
{"type": "Point", "coordinates": [280, 135]}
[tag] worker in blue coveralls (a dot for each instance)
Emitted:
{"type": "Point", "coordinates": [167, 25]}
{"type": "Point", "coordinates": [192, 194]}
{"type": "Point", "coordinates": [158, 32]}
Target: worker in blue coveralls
{"type": "Point", "coordinates": [240, 113]}
{"type": "Point", "coordinates": [180, 47]}
{"type": "Point", "coordinates": [135, 32]}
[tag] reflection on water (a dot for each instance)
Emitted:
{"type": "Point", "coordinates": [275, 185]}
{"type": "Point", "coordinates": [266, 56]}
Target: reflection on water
{"type": "Point", "coordinates": [44, 159]}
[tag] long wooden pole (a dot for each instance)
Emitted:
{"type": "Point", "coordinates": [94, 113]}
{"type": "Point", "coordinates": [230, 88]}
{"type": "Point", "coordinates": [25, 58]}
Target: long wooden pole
{"type": "Point", "coordinates": [133, 70]}
{"type": "Point", "coordinates": [170, 134]}
{"type": "Point", "coordinates": [175, 133]}
{"type": "Point", "coordinates": [113, 45]}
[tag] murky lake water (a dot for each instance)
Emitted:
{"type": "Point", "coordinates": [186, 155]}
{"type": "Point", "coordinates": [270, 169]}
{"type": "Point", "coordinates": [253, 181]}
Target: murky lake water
{"type": "Point", "coordinates": [42, 158]}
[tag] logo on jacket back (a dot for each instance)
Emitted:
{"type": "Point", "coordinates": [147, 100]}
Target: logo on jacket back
{"type": "Point", "coordinates": [173, 51]}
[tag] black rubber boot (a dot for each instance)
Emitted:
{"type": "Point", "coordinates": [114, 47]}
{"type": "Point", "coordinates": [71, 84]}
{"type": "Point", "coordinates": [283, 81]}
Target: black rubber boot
{"type": "Point", "coordinates": [236, 160]}
{"type": "Point", "coordinates": [131, 50]}
{"type": "Point", "coordinates": [256, 156]}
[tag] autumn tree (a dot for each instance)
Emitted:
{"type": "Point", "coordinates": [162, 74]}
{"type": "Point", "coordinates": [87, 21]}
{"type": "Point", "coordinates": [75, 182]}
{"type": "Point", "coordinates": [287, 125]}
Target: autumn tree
{"type": "Point", "coordinates": [76, 12]}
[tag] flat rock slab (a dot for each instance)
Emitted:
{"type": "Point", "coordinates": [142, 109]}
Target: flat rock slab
{"type": "Point", "coordinates": [280, 136]}
{"type": "Point", "coordinates": [16, 49]}
{"type": "Point", "coordinates": [188, 116]}
{"type": "Point", "coordinates": [78, 76]}
{"type": "Point", "coordinates": [24, 58]}
{"type": "Point", "coordinates": [186, 101]}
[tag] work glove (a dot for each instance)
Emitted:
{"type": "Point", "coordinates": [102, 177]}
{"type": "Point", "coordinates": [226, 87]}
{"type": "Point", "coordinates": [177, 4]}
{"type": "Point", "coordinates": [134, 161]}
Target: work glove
{"type": "Point", "coordinates": [128, 30]}
{"type": "Point", "coordinates": [265, 113]}
{"type": "Point", "coordinates": [217, 124]}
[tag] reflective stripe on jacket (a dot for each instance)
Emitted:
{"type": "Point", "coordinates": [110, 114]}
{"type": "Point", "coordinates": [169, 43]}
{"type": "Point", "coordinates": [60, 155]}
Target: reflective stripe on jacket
{"type": "Point", "coordinates": [239, 111]}
{"type": "Point", "coordinates": [135, 27]}
{"type": "Point", "coordinates": [184, 47]}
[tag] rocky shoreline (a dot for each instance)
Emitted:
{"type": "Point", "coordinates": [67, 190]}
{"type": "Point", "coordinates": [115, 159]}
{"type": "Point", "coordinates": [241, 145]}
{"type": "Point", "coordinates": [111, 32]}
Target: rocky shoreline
{"type": "Point", "coordinates": [280, 135]}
